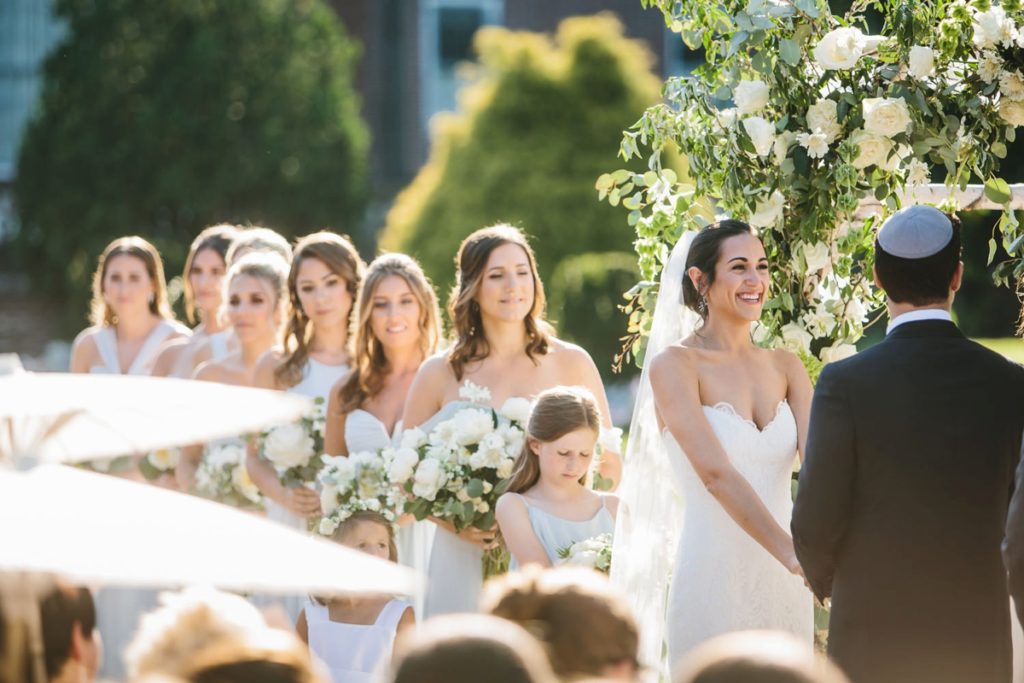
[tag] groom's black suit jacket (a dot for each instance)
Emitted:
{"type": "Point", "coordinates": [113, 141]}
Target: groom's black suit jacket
{"type": "Point", "coordinates": [902, 503]}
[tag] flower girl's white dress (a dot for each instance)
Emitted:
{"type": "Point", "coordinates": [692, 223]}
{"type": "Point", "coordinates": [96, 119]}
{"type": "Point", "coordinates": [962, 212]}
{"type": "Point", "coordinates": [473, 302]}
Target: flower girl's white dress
{"type": "Point", "coordinates": [724, 580]}
{"type": "Point", "coordinates": [352, 652]}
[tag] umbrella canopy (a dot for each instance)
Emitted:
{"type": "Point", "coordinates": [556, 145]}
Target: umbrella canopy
{"type": "Point", "coordinates": [60, 417]}
{"type": "Point", "coordinates": [95, 528]}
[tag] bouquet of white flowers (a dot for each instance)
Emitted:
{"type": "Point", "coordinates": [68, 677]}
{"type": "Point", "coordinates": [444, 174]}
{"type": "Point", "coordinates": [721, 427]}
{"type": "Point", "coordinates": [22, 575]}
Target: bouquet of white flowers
{"type": "Point", "coordinates": [458, 470]}
{"type": "Point", "coordinates": [354, 483]}
{"type": "Point", "coordinates": [294, 449]}
{"type": "Point", "coordinates": [595, 553]}
{"type": "Point", "coordinates": [222, 476]}
{"type": "Point", "coordinates": [156, 464]}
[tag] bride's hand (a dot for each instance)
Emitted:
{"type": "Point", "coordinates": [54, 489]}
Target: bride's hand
{"type": "Point", "coordinates": [302, 501]}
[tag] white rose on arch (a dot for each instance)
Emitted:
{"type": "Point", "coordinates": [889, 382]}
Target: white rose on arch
{"type": "Point", "coordinates": [886, 116]}
{"type": "Point", "coordinates": [762, 134]}
{"type": "Point", "coordinates": [823, 117]}
{"type": "Point", "coordinates": [816, 144]}
{"type": "Point", "coordinates": [796, 338]}
{"type": "Point", "coordinates": [750, 96]}
{"type": "Point", "coordinates": [768, 212]}
{"type": "Point", "coordinates": [874, 149]}
{"type": "Point", "coordinates": [816, 256]}
{"type": "Point", "coordinates": [992, 27]}
{"type": "Point", "coordinates": [921, 62]}
{"type": "Point", "coordinates": [1012, 112]}
{"type": "Point", "coordinates": [1011, 85]}
{"type": "Point", "coordinates": [830, 354]}
{"type": "Point", "coordinates": [842, 48]}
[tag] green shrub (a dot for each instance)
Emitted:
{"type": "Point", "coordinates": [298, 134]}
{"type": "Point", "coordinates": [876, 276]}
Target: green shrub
{"type": "Point", "coordinates": [159, 118]}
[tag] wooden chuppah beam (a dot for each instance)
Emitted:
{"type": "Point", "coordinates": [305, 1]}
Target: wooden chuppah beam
{"type": "Point", "coordinates": [971, 199]}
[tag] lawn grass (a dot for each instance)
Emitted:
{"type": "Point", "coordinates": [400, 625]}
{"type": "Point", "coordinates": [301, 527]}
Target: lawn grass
{"type": "Point", "coordinates": [1011, 347]}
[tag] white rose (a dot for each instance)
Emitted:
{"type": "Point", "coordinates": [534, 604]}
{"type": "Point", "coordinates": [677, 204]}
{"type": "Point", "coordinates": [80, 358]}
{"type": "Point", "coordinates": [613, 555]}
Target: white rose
{"type": "Point", "coordinates": [768, 212]}
{"type": "Point", "coordinates": [516, 409]}
{"type": "Point", "coordinates": [816, 144]}
{"type": "Point", "coordinates": [329, 498]}
{"type": "Point", "coordinates": [584, 558]}
{"type": "Point", "coordinates": [403, 464]}
{"type": "Point", "coordinates": [1012, 112]}
{"type": "Point", "coordinates": [474, 393]}
{"type": "Point", "coordinates": [471, 425]}
{"type": "Point", "coordinates": [918, 173]}
{"type": "Point", "coordinates": [445, 434]}
{"type": "Point", "coordinates": [165, 459]}
{"type": "Point", "coordinates": [342, 471]}
{"type": "Point", "coordinates": [823, 117]}
{"type": "Point", "coordinates": [726, 117]}
{"type": "Point", "coordinates": [750, 96]}
{"type": "Point", "coordinates": [855, 310]}
{"type": "Point", "coordinates": [796, 338]}
{"type": "Point", "coordinates": [513, 437]}
{"type": "Point", "coordinates": [505, 468]}
{"type": "Point", "coordinates": [244, 484]}
{"type": "Point", "coordinates": [762, 134]}
{"type": "Point", "coordinates": [483, 506]}
{"type": "Point", "coordinates": [1011, 85]}
{"type": "Point", "coordinates": [783, 141]}
{"type": "Point", "coordinates": [413, 438]}
{"type": "Point", "coordinates": [886, 116]}
{"type": "Point", "coordinates": [816, 256]}
{"type": "Point", "coordinates": [288, 446]}
{"type": "Point", "coordinates": [921, 62]}
{"type": "Point", "coordinates": [843, 47]}
{"type": "Point", "coordinates": [327, 526]}
{"type": "Point", "coordinates": [830, 354]}
{"type": "Point", "coordinates": [874, 149]}
{"type": "Point", "coordinates": [992, 27]}
{"type": "Point", "coordinates": [429, 479]}
{"type": "Point", "coordinates": [820, 321]}
{"type": "Point", "coordinates": [990, 65]}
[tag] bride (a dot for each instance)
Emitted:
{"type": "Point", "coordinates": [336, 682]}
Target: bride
{"type": "Point", "coordinates": [731, 418]}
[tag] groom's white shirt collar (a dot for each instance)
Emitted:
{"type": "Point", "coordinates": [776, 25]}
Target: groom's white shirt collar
{"type": "Point", "coordinates": [915, 316]}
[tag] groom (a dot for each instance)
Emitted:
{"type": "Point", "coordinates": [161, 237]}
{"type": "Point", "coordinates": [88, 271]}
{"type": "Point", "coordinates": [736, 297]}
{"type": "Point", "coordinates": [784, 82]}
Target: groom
{"type": "Point", "coordinates": [909, 466]}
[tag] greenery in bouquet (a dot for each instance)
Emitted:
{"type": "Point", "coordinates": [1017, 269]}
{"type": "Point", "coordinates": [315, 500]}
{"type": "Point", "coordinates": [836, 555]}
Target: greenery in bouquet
{"type": "Point", "coordinates": [222, 476]}
{"type": "Point", "coordinates": [356, 483]}
{"type": "Point", "coordinates": [797, 120]}
{"type": "Point", "coordinates": [294, 449]}
{"type": "Point", "coordinates": [595, 553]}
{"type": "Point", "coordinates": [156, 464]}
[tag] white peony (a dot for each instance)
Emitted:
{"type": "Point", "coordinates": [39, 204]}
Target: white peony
{"type": "Point", "coordinates": [726, 117]}
{"type": "Point", "coordinates": [750, 96]}
{"type": "Point", "coordinates": [990, 65]}
{"type": "Point", "coordinates": [874, 149]}
{"type": "Point", "coordinates": [471, 424]}
{"type": "Point", "coordinates": [583, 558]}
{"type": "Point", "coordinates": [992, 27]}
{"type": "Point", "coordinates": [165, 459]}
{"type": "Point", "coordinates": [403, 464]}
{"type": "Point", "coordinates": [513, 437]}
{"type": "Point", "coordinates": [816, 256]}
{"type": "Point", "coordinates": [842, 48]}
{"type": "Point", "coordinates": [768, 212]}
{"type": "Point", "coordinates": [1011, 85]}
{"type": "Point", "coordinates": [816, 144]}
{"type": "Point", "coordinates": [886, 116]}
{"type": "Point", "coordinates": [823, 117]}
{"type": "Point", "coordinates": [288, 446]}
{"type": "Point", "coordinates": [489, 452]}
{"type": "Point", "coordinates": [413, 438]}
{"type": "Point", "coordinates": [516, 409]}
{"type": "Point", "coordinates": [330, 498]}
{"type": "Point", "coordinates": [342, 471]}
{"type": "Point", "coordinates": [830, 354]}
{"type": "Point", "coordinates": [430, 477]}
{"type": "Point", "coordinates": [474, 393]}
{"type": "Point", "coordinates": [762, 134]}
{"type": "Point", "coordinates": [1012, 112]}
{"type": "Point", "coordinates": [921, 62]}
{"type": "Point", "coordinates": [244, 484]}
{"type": "Point", "coordinates": [796, 338]}
{"type": "Point", "coordinates": [505, 468]}
{"type": "Point", "coordinates": [918, 173]}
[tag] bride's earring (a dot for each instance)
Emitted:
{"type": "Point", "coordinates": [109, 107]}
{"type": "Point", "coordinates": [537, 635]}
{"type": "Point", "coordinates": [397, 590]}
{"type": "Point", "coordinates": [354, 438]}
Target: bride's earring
{"type": "Point", "coordinates": [702, 305]}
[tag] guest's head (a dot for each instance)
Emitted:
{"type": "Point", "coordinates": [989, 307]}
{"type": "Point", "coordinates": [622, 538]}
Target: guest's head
{"type": "Point", "coordinates": [496, 283]}
{"type": "Point", "coordinates": [396, 309]}
{"type": "Point", "coordinates": [561, 434]}
{"type": "Point", "coordinates": [268, 656]}
{"type": "Point", "coordinates": [756, 657]}
{"type": "Point", "coordinates": [205, 267]}
{"type": "Point", "coordinates": [467, 648]}
{"type": "Point", "coordinates": [258, 239]}
{"type": "Point", "coordinates": [325, 274]}
{"type": "Point", "coordinates": [367, 532]}
{"type": "Point", "coordinates": [128, 283]}
{"type": "Point", "coordinates": [917, 257]}
{"type": "Point", "coordinates": [726, 272]}
{"type": "Point", "coordinates": [584, 623]}
{"type": "Point", "coordinates": [21, 648]}
{"type": "Point", "coordinates": [170, 638]}
{"type": "Point", "coordinates": [255, 295]}
{"type": "Point", "coordinates": [71, 644]}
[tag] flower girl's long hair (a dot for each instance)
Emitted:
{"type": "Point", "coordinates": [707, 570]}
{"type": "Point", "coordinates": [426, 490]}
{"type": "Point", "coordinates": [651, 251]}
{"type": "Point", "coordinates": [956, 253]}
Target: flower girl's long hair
{"type": "Point", "coordinates": [556, 412]}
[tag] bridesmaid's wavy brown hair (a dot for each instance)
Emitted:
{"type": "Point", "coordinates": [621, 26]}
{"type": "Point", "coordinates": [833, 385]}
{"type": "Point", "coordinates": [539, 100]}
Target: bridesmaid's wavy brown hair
{"type": "Point", "coordinates": [338, 254]}
{"type": "Point", "coordinates": [470, 344]}
{"type": "Point", "coordinates": [216, 238]}
{"type": "Point", "coordinates": [100, 313]}
{"type": "Point", "coordinates": [369, 363]}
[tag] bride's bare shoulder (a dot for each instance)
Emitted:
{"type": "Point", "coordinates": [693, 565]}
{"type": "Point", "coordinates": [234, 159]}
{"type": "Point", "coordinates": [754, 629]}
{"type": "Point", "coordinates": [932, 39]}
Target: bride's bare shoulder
{"type": "Point", "coordinates": [678, 359]}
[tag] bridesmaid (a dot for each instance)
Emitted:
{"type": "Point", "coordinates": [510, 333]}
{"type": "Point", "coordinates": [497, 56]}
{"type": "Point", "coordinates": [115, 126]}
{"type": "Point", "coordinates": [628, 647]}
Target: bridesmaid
{"type": "Point", "coordinates": [255, 292]}
{"type": "Point", "coordinates": [502, 343]}
{"type": "Point", "coordinates": [203, 280]}
{"type": "Point", "coordinates": [325, 275]}
{"type": "Point", "coordinates": [130, 315]}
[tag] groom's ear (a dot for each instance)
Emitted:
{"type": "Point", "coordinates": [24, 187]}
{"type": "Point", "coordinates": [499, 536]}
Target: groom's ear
{"type": "Point", "coordinates": [874, 276]}
{"type": "Point", "coordinates": [958, 277]}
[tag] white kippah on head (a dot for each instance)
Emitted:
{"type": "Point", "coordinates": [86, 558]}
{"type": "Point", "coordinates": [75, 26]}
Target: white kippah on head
{"type": "Point", "coordinates": [915, 232]}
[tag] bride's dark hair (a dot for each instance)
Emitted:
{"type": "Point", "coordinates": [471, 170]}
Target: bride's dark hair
{"type": "Point", "coordinates": [705, 250]}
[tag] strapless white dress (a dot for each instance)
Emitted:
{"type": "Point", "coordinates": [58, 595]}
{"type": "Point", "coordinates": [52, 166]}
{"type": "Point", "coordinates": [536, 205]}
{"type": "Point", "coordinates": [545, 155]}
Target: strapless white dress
{"type": "Point", "coordinates": [725, 581]}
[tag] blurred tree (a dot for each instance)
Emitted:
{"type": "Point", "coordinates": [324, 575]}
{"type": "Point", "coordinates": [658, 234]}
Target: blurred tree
{"type": "Point", "coordinates": [159, 118]}
{"type": "Point", "coordinates": [540, 123]}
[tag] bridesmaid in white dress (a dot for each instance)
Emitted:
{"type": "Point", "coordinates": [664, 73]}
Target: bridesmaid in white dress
{"type": "Point", "coordinates": [502, 343]}
{"type": "Point", "coordinates": [255, 295]}
{"type": "Point", "coordinates": [397, 327]}
{"type": "Point", "coordinates": [203, 279]}
{"type": "Point", "coordinates": [325, 275]}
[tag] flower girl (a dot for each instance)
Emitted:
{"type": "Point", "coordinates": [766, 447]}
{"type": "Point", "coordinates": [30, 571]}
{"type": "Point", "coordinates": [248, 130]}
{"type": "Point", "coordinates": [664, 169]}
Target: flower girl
{"type": "Point", "coordinates": [548, 506]}
{"type": "Point", "coordinates": [352, 636]}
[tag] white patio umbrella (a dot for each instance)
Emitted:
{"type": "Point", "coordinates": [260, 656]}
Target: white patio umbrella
{"type": "Point", "coordinates": [60, 417]}
{"type": "Point", "coordinates": [94, 528]}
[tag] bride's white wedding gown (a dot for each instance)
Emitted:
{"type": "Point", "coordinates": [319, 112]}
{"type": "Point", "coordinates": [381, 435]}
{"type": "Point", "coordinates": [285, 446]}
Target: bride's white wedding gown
{"type": "Point", "coordinates": [724, 580]}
